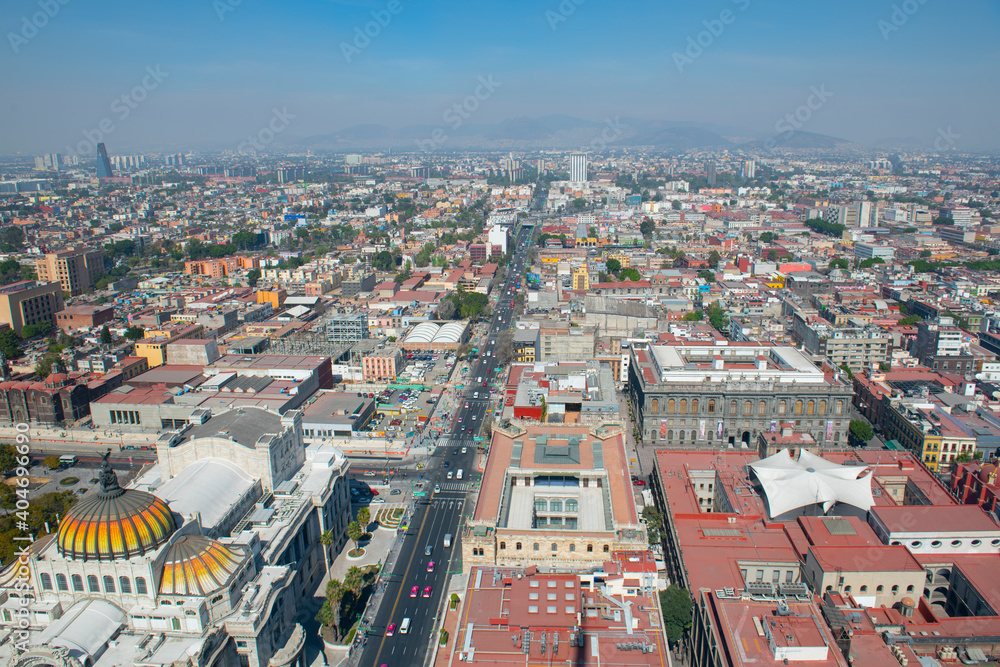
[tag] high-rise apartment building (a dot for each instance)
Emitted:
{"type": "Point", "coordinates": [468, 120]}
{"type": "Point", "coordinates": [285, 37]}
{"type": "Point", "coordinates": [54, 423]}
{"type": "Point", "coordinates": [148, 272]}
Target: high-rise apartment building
{"type": "Point", "coordinates": [29, 302]}
{"type": "Point", "coordinates": [75, 270]}
{"type": "Point", "coordinates": [103, 163]}
{"type": "Point", "coordinates": [749, 169]}
{"type": "Point", "coordinates": [710, 172]}
{"type": "Point", "coordinates": [578, 168]}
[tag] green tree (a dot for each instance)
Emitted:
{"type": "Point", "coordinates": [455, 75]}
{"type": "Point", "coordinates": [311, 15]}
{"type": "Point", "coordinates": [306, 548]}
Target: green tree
{"type": "Point", "coordinates": [846, 369]}
{"type": "Point", "coordinates": [52, 462]}
{"type": "Point", "coordinates": [13, 236]}
{"type": "Point", "coordinates": [654, 522]}
{"type": "Point", "coordinates": [860, 432]}
{"type": "Point", "coordinates": [868, 263]}
{"type": "Point", "coordinates": [884, 367]}
{"type": "Point", "coordinates": [824, 227]}
{"type": "Point", "coordinates": [676, 204]}
{"type": "Point", "coordinates": [766, 237]}
{"type": "Point", "coordinates": [253, 277]}
{"type": "Point", "coordinates": [646, 227]}
{"type": "Point", "coordinates": [354, 532]}
{"type": "Point", "coordinates": [613, 266]}
{"type": "Point", "coordinates": [839, 264]}
{"type": "Point", "coordinates": [630, 274]}
{"type": "Point", "coordinates": [354, 580]}
{"type": "Point", "coordinates": [46, 365]}
{"type": "Point", "coordinates": [909, 320]}
{"type": "Point", "coordinates": [713, 259]}
{"type": "Point", "coordinates": [135, 333]}
{"type": "Point", "coordinates": [364, 517]}
{"type": "Point", "coordinates": [8, 459]}
{"type": "Point", "coordinates": [106, 335]}
{"type": "Point", "coordinates": [696, 316]}
{"type": "Point", "coordinates": [677, 608]}
{"type": "Point", "coordinates": [707, 276]}
{"type": "Point", "coordinates": [383, 261]}
{"type": "Point", "coordinates": [926, 253]}
{"type": "Point", "coordinates": [10, 344]}
{"type": "Point", "coordinates": [717, 317]}
{"type": "Point", "coordinates": [329, 613]}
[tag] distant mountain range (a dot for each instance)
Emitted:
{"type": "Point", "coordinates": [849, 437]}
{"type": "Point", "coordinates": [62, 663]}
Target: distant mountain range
{"type": "Point", "coordinates": [561, 132]}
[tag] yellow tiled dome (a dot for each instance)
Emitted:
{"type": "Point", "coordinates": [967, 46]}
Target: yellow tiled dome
{"type": "Point", "coordinates": [197, 565]}
{"type": "Point", "coordinates": [114, 523]}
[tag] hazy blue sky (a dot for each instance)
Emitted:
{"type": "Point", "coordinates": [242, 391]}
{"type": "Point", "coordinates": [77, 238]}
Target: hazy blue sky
{"type": "Point", "coordinates": [225, 76]}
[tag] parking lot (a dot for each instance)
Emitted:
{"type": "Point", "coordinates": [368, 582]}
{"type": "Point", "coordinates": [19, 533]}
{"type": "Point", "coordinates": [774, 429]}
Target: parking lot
{"type": "Point", "coordinates": [399, 412]}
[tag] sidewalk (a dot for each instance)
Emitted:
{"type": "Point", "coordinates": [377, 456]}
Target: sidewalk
{"type": "Point", "coordinates": [441, 655]}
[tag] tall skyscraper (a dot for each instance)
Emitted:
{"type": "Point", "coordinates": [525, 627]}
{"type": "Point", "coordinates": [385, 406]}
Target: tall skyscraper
{"type": "Point", "coordinates": [103, 163]}
{"type": "Point", "coordinates": [749, 169]}
{"type": "Point", "coordinates": [578, 168]}
{"type": "Point", "coordinates": [710, 169]}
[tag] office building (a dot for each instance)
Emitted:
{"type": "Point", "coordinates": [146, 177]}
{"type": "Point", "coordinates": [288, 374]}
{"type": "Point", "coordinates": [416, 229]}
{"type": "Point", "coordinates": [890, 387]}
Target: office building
{"type": "Point", "coordinates": [75, 270]}
{"type": "Point", "coordinates": [578, 168]}
{"type": "Point", "coordinates": [710, 174]}
{"type": "Point", "coordinates": [555, 496]}
{"type": "Point", "coordinates": [103, 163]}
{"type": "Point", "coordinates": [30, 302]}
{"type": "Point", "coordinates": [865, 251]}
{"type": "Point", "coordinates": [566, 341]}
{"type": "Point", "coordinates": [703, 396]}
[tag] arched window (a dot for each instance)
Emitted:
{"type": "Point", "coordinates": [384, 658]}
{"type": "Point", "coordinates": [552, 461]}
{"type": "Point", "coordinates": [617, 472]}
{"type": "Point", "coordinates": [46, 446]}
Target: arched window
{"type": "Point", "coordinates": [822, 407]}
{"type": "Point", "coordinates": [534, 547]}
{"type": "Point", "coordinates": [655, 405]}
{"type": "Point", "coordinates": [92, 584]}
{"type": "Point", "coordinates": [109, 584]}
{"type": "Point", "coordinates": [810, 407]}
{"type": "Point", "coordinates": [711, 407]}
{"type": "Point", "coordinates": [61, 582]}
{"type": "Point", "coordinates": [895, 590]}
{"type": "Point", "coordinates": [555, 506]}
{"type": "Point", "coordinates": [732, 407]}
{"type": "Point", "coordinates": [555, 547]}
{"type": "Point", "coordinates": [607, 548]}
{"type": "Point", "coordinates": [782, 407]}
{"type": "Point", "coordinates": [694, 434]}
{"type": "Point", "coordinates": [503, 545]}
{"type": "Point", "coordinates": [864, 589]}
{"type": "Point", "coordinates": [671, 405]}
{"type": "Point", "coordinates": [798, 407]}
{"type": "Point", "coordinates": [126, 585]}
{"type": "Point", "coordinates": [571, 505]}
{"type": "Point", "coordinates": [140, 586]}
{"type": "Point", "coordinates": [684, 406]}
{"type": "Point", "coordinates": [77, 583]}
{"type": "Point", "coordinates": [572, 548]}
{"type": "Point", "coordinates": [879, 588]}
{"type": "Point", "coordinates": [762, 408]}
{"type": "Point", "coordinates": [838, 408]}
{"type": "Point", "coordinates": [590, 548]}
{"type": "Point", "coordinates": [517, 547]}
{"type": "Point", "coordinates": [747, 408]}
{"type": "Point", "coordinates": [46, 581]}
{"type": "Point", "coordinates": [909, 589]}
{"type": "Point", "coordinates": [670, 434]}
{"type": "Point", "coordinates": [694, 406]}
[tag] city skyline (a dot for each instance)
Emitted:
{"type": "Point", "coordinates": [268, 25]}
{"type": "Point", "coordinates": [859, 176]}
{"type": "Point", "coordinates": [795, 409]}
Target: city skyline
{"type": "Point", "coordinates": [206, 75]}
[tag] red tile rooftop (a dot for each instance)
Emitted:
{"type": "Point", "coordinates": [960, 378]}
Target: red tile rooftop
{"type": "Point", "coordinates": [875, 559]}
{"type": "Point", "coordinates": [752, 633]}
{"type": "Point", "coordinates": [943, 518]}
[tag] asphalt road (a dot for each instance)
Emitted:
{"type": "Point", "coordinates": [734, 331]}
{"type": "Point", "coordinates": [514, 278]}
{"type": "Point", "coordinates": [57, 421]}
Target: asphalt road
{"type": "Point", "coordinates": [441, 512]}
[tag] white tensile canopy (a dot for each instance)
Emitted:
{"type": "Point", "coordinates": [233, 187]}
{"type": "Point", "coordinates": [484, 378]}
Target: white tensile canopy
{"type": "Point", "coordinates": [790, 484]}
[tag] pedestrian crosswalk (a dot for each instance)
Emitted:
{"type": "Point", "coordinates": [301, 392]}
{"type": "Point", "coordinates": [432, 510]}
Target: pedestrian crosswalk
{"type": "Point", "coordinates": [455, 486]}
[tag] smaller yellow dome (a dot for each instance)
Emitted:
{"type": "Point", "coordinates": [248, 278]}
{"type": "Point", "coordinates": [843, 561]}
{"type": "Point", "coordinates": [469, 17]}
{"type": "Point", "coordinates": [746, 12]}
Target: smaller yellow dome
{"type": "Point", "coordinates": [197, 565]}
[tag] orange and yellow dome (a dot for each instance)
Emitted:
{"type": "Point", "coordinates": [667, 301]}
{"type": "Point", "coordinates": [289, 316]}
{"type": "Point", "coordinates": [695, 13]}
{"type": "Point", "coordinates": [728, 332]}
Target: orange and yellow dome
{"type": "Point", "coordinates": [197, 565]}
{"type": "Point", "coordinates": [113, 523]}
